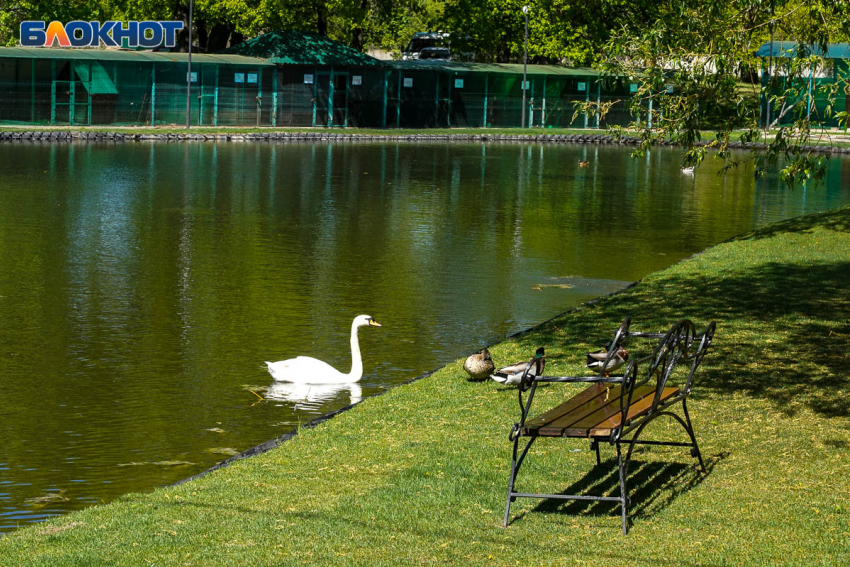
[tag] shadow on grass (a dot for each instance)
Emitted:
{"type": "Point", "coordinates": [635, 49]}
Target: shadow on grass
{"type": "Point", "coordinates": [783, 329]}
{"type": "Point", "coordinates": [651, 486]}
{"type": "Point", "coordinates": [838, 221]}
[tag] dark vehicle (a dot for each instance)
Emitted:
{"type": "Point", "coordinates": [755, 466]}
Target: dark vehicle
{"type": "Point", "coordinates": [424, 40]}
{"type": "Point", "coordinates": [435, 53]}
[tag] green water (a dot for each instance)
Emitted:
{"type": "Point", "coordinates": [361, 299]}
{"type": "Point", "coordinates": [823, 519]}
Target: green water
{"type": "Point", "coordinates": [142, 286]}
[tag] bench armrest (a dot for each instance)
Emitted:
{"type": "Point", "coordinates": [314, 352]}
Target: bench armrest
{"type": "Point", "coordinates": [579, 379]}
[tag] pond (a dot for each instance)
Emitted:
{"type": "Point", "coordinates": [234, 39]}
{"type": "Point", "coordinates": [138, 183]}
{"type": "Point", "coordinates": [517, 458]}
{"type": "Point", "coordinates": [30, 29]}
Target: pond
{"type": "Point", "coordinates": [143, 285]}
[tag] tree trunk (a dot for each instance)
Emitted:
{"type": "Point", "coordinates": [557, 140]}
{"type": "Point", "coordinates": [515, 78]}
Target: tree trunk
{"type": "Point", "coordinates": [321, 18]}
{"type": "Point", "coordinates": [203, 37]}
{"type": "Point", "coordinates": [219, 34]}
{"type": "Point", "coordinates": [357, 39]}
{"type": "Point", "coordinates": [503, 49]}
{"type": "Point", "coordinates": [181, 12]}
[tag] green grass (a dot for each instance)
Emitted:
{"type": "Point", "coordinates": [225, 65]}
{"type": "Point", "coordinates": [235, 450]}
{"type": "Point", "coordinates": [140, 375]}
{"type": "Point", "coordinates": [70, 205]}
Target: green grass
{"type": "Point", "coordinates": [418, 475]}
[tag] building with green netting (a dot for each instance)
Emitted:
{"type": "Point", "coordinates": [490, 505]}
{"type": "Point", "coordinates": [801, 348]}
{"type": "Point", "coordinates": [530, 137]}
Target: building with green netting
{"type": "Point", "coordinates": [431, 94]}
{"type": "Point", "coordinates": [88, 87]}
{"type": "Point", "coordinates": [776, 57]}
{"type": "Point", "coordinates": [291, 79]}
{"type": "Point", "coordinates": [319, 81]}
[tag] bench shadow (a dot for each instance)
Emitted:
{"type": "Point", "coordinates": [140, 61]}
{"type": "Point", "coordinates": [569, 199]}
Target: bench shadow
{"type": "Point", "coordinates": [651, 487]}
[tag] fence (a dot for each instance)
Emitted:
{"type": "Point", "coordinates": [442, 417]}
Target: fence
{"type": "Point", "coordinates": [101, 87]}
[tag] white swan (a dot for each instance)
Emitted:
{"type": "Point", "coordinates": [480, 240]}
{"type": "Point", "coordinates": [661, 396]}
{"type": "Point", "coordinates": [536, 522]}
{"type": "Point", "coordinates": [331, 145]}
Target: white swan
{"type": "Point", "coordinates": [306, 370]}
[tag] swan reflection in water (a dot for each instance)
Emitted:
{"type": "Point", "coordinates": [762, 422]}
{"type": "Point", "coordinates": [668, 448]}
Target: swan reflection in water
{"type": "Point", "coordinates": [312, 395]}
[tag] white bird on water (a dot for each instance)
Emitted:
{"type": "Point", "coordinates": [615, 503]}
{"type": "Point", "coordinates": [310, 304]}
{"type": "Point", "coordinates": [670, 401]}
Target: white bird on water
{"type": "Point", "coordinates": [306, 370]}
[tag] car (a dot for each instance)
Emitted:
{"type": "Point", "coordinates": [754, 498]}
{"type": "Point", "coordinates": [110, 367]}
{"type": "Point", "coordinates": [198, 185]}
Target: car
{"type": "Point", "coordinates": [435, 54]}
{"type": "Point", "coordinates": [423, 40]}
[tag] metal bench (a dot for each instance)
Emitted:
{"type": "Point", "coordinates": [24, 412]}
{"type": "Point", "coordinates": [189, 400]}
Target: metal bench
{"type": "Point", "coordinates": [616, 409]}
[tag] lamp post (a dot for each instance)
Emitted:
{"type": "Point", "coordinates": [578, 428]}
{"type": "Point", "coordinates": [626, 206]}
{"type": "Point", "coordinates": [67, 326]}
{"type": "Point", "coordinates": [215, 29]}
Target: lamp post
{"type": "Point", "coordinates": [189, 72]}
{"type": "Point", "coordinates": [524, 64]}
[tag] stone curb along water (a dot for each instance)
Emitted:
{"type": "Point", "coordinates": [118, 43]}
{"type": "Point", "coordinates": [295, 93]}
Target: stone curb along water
{"type": "Point", "coordinates": [77, 136]}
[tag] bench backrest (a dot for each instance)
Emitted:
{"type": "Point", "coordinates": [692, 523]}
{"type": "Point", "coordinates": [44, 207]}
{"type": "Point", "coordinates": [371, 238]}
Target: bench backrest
{"type": "Point", "coordinates": [678, 354]}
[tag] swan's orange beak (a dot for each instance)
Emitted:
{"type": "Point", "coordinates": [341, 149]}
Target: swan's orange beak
{"type": "Point", "coordinates": [374, 323]}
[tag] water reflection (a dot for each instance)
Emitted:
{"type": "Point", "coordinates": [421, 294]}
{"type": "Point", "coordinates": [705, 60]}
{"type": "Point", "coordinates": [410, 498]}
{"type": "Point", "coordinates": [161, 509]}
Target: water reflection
{"type": "Point", "coordinates": [142, 286]}
{"type": "Point", "coordinates": [313, 396]}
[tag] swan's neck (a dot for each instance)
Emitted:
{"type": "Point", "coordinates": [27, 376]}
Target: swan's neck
{"type": "Point", "coordinates": [356, 361]}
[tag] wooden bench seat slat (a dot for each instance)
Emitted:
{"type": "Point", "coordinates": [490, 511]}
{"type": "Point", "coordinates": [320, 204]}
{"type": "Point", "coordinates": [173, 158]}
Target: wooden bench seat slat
{"type": "Point", "coordinates": [609, 412]}
{"type": "Point", "coordinates": [592, 413]}
{"type": "Point", "coordinates": [600, 408]}
{"type": "Point", "coordinates": [636, 410]}
{"type": "Point", "coordinates": [607, 407]}
{"type": "Point", "coordinates": [594, 392]}
{"type": "Point", "coordinates": [552, 422]}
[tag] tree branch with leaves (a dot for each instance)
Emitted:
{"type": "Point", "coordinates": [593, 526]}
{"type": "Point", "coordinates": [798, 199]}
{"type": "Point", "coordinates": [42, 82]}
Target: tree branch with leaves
{"type": "Point", "coordinates": [689, 62]}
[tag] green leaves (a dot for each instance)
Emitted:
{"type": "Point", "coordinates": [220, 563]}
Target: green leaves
{"type": "Point", "coordinates": [704, 52]}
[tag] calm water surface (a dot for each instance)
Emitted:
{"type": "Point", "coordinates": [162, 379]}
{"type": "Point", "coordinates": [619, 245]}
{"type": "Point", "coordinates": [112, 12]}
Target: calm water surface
{"type": "Point", "coordinates": [142, 286]}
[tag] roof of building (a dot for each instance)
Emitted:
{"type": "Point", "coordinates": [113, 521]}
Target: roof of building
{"type": "Point", "coordinates": [511, 68]}
{"type": "Point", "coordinates": [292, 47]}
{"type": "Point", "coordinates": [789, 49]}
{"type": "Point", "coordinates": [128, 55]}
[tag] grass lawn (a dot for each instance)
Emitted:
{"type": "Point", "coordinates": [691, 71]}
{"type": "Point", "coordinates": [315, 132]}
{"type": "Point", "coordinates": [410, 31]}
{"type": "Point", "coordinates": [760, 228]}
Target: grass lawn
{"type": "Point", "coordinates": [418, 475]}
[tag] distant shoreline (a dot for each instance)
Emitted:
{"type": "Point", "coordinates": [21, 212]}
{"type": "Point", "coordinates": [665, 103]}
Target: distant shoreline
{"type": "Point", "coordinates": [219, 135]}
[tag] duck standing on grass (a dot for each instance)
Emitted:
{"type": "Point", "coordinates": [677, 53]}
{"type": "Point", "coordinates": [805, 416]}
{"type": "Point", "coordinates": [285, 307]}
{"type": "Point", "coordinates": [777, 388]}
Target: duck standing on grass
{"type": "Point", "coordinates": [479, 366]}
{"type": "Point", "coordinates": [512, 375]}
{"type": "Point", "coordinates": [596, 360]}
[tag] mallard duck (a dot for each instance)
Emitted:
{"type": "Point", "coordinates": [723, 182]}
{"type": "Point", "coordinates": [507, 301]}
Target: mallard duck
{"type": "Point", "coordinates": [582, 163]}
{"type": "Point", "coordinates": [595, 360]}
{"type": "Point", "coordinates": [512, 374]}
{"type": "Point", "coordinates": [306, 370]}
{"type": "Point", "coordinates": [479, 366]}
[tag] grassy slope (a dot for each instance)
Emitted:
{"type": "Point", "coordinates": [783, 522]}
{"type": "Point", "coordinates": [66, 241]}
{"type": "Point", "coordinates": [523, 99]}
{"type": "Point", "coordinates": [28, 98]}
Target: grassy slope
{"type": "Point", "coordinates": [419, 475]}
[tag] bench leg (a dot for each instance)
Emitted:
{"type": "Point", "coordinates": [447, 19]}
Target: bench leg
{"type": "Point", "coordinates": [695, 451]}
{"type": "Point", "coordinates": [594, 444]}
{"type": "Point", "coordinates": [623, 500]}
{"type": "Point", "coordinates": [515, 465]}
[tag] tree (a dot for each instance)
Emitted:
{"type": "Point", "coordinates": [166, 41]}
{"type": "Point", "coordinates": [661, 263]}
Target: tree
{"type": "Point", "coordinates": [559, 31]}
{"type": "Point", "coordinates": [688, 63]}
{"type": "Point", "coordinates": [13, 12]}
